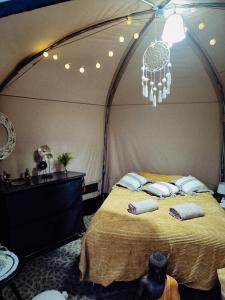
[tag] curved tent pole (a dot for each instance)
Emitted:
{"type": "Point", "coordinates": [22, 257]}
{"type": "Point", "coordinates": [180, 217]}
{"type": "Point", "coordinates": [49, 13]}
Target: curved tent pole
{"type": "Point", "coordinates": [27, 60]}
{"type": "Point", "coordinates": [218, 87]}
{"type": "Point", "coordinates": [114, 84]}
{"type": "Point", "coordinates": [112, 90]}
{"type": "Point", "coordinates": [122, 66]}
{"type": "Point", "coordinates": [212, 73]}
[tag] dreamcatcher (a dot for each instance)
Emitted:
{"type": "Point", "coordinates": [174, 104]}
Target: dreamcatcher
{"type": "Point", "coordinates": [156, 76]}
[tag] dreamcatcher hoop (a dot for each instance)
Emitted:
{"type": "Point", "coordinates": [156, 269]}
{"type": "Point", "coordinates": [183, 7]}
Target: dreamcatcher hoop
{"type": "Point", "coordinates": [156, 76]}
{"type": "Point", "coordinates": [156, 56]}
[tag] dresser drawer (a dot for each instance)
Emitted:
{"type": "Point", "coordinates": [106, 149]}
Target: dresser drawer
{"type": "Point", "coordinates": [39, 204]}
{"type": "Point", "coordinates": [25, 240]}
{"type": "Point", "coordinates": [42, 214]}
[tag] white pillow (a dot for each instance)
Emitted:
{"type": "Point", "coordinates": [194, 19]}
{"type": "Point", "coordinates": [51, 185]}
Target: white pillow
{"type": "Point", "coordinates": [133, 181]}
{"type": "Point", "coordinates": [190, 185]}
{"type": "Point", "coordinates": [161, 189]}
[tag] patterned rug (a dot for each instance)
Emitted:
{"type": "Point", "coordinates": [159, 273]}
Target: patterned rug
{"type": "Point", "coordinates": [59, 270]}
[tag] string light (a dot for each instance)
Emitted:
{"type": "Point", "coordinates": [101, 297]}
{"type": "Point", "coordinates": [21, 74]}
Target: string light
{"type": "Point", "coordinates": [110, 53]}
{"type": "Point", "coordinates": [129, 20]}
{"type": "Point", "coordinates": [212, 42]}
{"type": "Point", "coordinates": [201, 26]}
{"type": "Point", "coordinates": [45, 54]}
{"type": "Point", "coordinates": [98, 65]}
{"type": "Point", "coordinates": [81, 70]}
{"type": "Point", "coordinates": [67, 66]}
{"type": "Point", "coordinates": [55, 56]}
{"type": "Point", "coordinates": [121, 39]}
{"type": "Point", "coordinates": [136, 35]}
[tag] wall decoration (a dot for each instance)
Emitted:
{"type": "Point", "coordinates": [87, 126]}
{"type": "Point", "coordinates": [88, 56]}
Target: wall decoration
{"type": "Point", "coordinates": [46, 160]}
{"type": "Point", "coordinates": [9, 146]}
{"type": "Point", "coordinates": [156, 76]}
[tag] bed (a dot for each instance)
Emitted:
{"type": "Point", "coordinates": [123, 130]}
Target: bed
{"type": "Point", "coordinates": [117, 245]}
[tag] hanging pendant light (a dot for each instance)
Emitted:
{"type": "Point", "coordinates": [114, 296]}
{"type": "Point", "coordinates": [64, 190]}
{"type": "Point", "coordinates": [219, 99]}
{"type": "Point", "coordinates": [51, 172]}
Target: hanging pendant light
{"type": "Point", "coordinates": [173, 31]}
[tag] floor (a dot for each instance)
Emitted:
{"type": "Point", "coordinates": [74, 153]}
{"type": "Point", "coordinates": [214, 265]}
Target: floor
{"type": "Point", "coordinates": [59, 270]}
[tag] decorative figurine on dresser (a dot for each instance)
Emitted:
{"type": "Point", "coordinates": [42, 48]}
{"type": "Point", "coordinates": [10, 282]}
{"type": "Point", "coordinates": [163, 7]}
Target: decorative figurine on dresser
{"type": "Point", "coordinates": [42, 214]}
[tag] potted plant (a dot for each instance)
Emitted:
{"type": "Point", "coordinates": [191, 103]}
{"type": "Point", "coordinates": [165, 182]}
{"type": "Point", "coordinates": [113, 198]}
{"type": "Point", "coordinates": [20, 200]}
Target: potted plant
{"type": "Point", "coordinates": [64, 159]}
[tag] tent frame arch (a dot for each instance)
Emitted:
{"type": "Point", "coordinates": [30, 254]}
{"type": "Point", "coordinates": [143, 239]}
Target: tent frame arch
{"type": "Point", "coordinates": [128, 53]}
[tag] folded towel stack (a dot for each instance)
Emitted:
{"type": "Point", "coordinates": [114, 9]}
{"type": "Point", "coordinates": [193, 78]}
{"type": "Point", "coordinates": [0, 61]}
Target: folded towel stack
{"type": "Point", "coordinates": [186, 211]}
{"type": "Point", "coordinates": [141, 207]}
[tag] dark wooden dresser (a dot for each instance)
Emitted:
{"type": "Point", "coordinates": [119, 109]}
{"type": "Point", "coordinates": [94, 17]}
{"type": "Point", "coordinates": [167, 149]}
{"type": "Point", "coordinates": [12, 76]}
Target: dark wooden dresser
{"type": "Point", "coordinates": [41, 215]}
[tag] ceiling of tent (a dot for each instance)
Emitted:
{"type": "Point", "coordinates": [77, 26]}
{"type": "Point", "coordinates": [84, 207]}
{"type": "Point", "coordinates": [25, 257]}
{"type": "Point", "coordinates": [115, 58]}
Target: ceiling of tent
{"type": "Point", "coordinates": [29, 32]}
{"type": "Point", "coordinates": [53, 81]}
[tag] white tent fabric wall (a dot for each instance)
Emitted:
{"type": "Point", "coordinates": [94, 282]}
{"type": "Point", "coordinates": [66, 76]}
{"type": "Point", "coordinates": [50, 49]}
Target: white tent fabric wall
{"type": "Point", "coordinates": [181, 136]}
{"type": "Point", "coordinates": [54, 106]}
{"type": "Point", "coordinates": [65, 127]}
{"type": "Point", "coordinates": [65, 109]}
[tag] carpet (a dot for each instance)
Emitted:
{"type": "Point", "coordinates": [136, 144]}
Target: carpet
{"type": "Point", "coordinates": [59, 270]}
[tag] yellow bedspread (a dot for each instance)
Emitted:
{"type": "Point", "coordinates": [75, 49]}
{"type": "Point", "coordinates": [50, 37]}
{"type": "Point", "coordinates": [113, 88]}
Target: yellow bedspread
{"type": "Point", "coordinates": [117, 245]}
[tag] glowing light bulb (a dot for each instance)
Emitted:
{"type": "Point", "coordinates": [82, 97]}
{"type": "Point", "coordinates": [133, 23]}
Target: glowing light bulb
{"type": "Point", "coordinates": [81, 70]}
{"type": "Point", "coordinates": [45, 54]}
{"type": "Point", "coordinates": [185, 29]}
{"type": "Point", "coordinates": [67, 66]}
{"type": "Point", "coordinates": [136, 35]}
{"type": "Point", "coordinates": [98, 65]}
{"type": "Point", "coordinates": [129, 20]}
{"type": "Point", "coordinates": [173, 31]}
{"type": "Point", "coordinates": [121, 39]}
{"type": "Point", "coordinates": [55, 56]}
{"type": "Point", "coordinates": [110, 53]}
{"type": "Point", "coordinates": [201, 26]}
{"type": "Point", "coordinates": [212, 42]}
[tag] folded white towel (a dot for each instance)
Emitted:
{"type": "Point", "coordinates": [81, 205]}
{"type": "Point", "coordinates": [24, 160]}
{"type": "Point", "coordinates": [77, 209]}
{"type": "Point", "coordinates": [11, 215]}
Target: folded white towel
{"type": "Point", "coordinates": [141, 207]}
{"type": "Point", "coordinates": [186, 211]}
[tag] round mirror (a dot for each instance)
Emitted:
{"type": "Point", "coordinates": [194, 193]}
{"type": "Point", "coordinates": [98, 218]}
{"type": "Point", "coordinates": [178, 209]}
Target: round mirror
{"type": "Point", "coordinates": [7, 137]}
{"type": "Point", "coordinates": [3, 135]}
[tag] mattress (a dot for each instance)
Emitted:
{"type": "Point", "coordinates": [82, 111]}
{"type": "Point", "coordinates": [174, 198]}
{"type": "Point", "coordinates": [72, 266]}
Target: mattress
{"type": "Point", "coordinates": [117, 245]}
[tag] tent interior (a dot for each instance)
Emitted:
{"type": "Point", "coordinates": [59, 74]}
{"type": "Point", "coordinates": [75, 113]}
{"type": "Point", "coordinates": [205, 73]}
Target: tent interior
{"type": "Point", "coordinates": [90, 104]}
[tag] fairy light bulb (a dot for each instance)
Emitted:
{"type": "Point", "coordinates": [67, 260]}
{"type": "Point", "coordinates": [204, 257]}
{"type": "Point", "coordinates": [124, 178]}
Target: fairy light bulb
{"type": "Point", "coordinates": [81, 70]}
{"type": "Point", "coordinates": [201, 26]}
{"type": "Point", "coordinates": [185, 29]}
{"type": "Point", "coordinates": [129, 20]}
{"type": "Point", "coordinates": [67, 66]}
{"type": "Point", "coordinates": [45, 54]}
{"type": "Point", "coordinates": [212, 42]}
{"type": "Point", "coordinates": [98, 65]}
{"type": "Point", "coordinates": [110, 53]}
{"type": "Point", "coordinates": [136, 35]}
{"type": "Point", "coordinates": [121, 39]}
{"type": "Point", "coordinates": [55, 56]}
